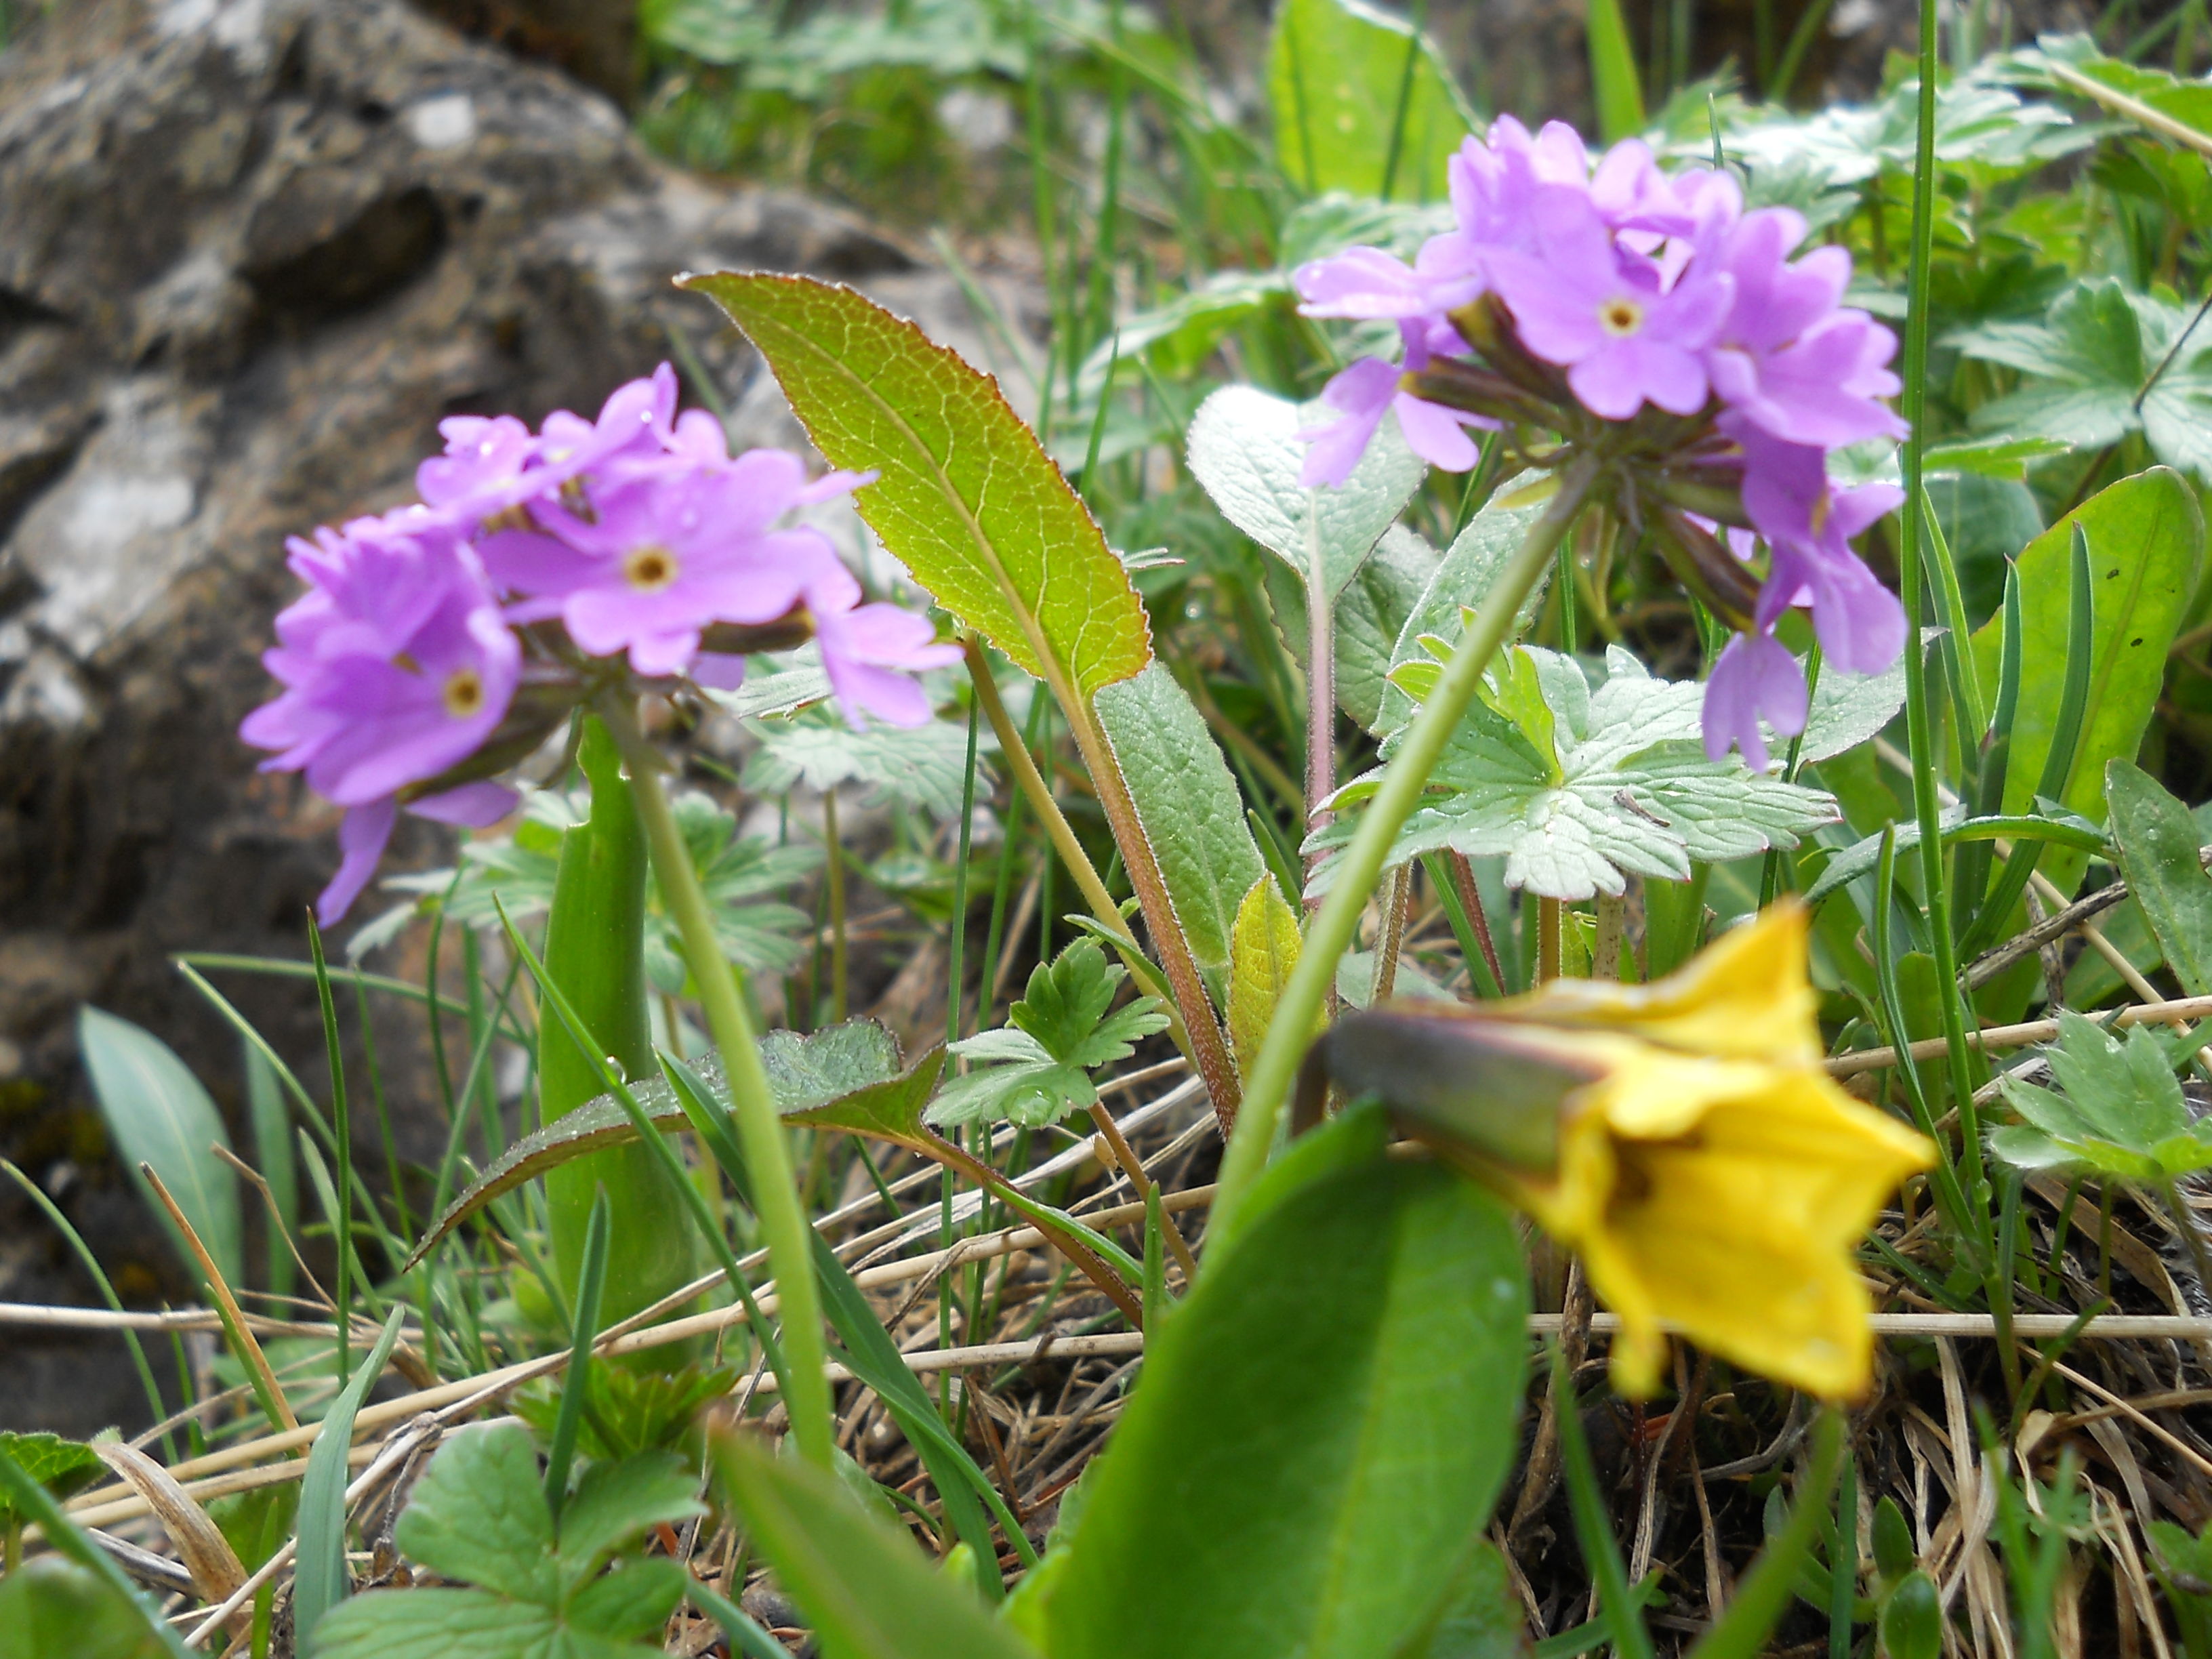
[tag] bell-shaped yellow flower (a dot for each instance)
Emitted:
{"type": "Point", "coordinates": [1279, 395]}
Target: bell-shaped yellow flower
{"type": "Point", "coordinates": [1712, 1176]}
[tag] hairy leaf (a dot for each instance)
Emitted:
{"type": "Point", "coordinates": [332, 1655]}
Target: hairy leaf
{"type": "Point", "coordinates": [1265, 950]}
{"type": "Point", "coordinates": [2159, 855]}
{"type": "Point", "coordinates": [923, 765]}
{"type": "Point", "coordinates": [1579, 788]}
{"type": "Point", "coordinates": [965, 497]}
{"type": "Point", "coordinates": [1245, 450]}
{"type": "Point", "coordinates": [1187, 803]}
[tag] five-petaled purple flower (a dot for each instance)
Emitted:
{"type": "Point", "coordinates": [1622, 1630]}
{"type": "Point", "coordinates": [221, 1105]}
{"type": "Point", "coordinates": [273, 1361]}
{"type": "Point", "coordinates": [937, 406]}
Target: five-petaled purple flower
{"type": "Point", "coordinates": [637, 533]}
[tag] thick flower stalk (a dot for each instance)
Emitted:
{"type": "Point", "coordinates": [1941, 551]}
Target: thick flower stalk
{"type": "Point", "coordinates": [1684, 1137]}
{"type": "Point", "coordinates": [440, 644]}
{"type": "Point", "coordinates": [1602, 307]}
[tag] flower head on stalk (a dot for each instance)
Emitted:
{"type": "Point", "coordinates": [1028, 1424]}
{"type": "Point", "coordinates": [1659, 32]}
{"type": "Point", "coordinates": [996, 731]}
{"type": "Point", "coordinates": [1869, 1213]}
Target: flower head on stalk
{"type": "Point", "coordinates": [1598, 306]}
{"type": "Point", "coordinates": [439, 645]}
{"type": "Point", "coordinates": [1684, 1137]}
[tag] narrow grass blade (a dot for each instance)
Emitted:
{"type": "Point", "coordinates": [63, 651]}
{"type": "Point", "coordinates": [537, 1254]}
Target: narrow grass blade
{"type": "Point", "coordinates": [319, 1578]}
{"type": "Point", "coordinates": [575, 1387]}
{"type": "Point", "coordinates": [91, 1262]}
{"type": "Point", "coordinates": [1623, 1615]}
{"type": "Point", "coordinates": [342, 1145]}
{"type": "Point", "coordinates": [1765, 1592]}
{"type": "Point", "coordinates": [272, 1153]}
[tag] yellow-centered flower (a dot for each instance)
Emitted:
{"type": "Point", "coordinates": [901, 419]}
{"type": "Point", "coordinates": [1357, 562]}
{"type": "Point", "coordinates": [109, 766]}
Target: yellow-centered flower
{"type": "Point", "coordinates": [1692, 1149]}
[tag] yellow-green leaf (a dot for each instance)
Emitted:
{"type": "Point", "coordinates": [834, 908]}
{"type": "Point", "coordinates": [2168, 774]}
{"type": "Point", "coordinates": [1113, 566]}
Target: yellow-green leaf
{"type": "Point", "coordinates": [965, 497]}
{"type": "Point", "coordinates": [1263, 950]}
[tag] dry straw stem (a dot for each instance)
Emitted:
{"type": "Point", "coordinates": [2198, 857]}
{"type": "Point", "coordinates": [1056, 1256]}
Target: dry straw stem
{"type": "Point", "coordinates": [2020, 1036]}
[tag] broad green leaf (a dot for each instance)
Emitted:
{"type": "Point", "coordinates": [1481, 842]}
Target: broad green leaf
{"type": "Point", "coordinates": [2091, 360]}
{"type": "Point", "coordinates": [1285, 1484]}
{"type": "Point", "coordinates": [889, 1110]}
{"type": "Point", "coordinates": [50, 1608]}
{"type": "Point", "coordinates": [1625, 788]}
{"type": "Point", "coordinates": [614, 1504]}
{"type": "Point", "coordinates": [320, 1579]}
{"type": "Point", "coordinates": [966, 497]}
{"type": "Point", "coordinates": [1479, 1618]}
{"type": "Point", "coordinates": [785, 691]}
{"type": "Point", "coordinates": [1264, 951]}
{"type": "Point", "coordinates": [1245, 451]}
{"type": "Point", "coordinates": [867, 1591]}
{"type": "Point", "coordinates": [1989, 457]}
{"type": "Point", "coordinates": [629, 1412]}
{"type": "Point", "coordinates": [1177, 337]}
{"type": "Point", "coordinates": [1361, 102]}
{"type": "Point", "coordinates": [159, 1114]}
{"type": "Point", "coordinates": [2146, 538]}
{"type": "Point", "coordinates": [2158, 848]}
{"type": "Point", "coordinates": [1187, 803]}
{"type": "Point", "coordinates": [61, 1467]}
{"type": "Point", "coordinates": [602, 1122]}
{"type": "Point", "coordinates": [1469, 565]}
{"type": "Point", "coordinates": [922, 766]}
{"type": "Point", "coordinates": [1371, 612]}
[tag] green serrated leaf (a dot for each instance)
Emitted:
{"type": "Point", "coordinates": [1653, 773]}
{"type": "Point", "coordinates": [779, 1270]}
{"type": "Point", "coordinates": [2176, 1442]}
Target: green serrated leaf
{"type": "Point", "coordinates": [1361, 102]}
{"type": "Point", "coordinates": [1629, 792]}
{"type": "Point", "coordinates": [479, 1514]}
{"type": "Point", "coordinates": [1244, 449]}
{"type": "Point", "coordinates": [1187, 803]}
{"type": "Point", "coordinates": [2117, 1110]}
{"type": "Point", "coordinates": [2091, 359]}
{"type": "Point", "coordinates": [61, 1467]}
{"type": "Point", "coordinates": [965, 497]}
{"type": "Point", "coordinates": [1038, 1069]}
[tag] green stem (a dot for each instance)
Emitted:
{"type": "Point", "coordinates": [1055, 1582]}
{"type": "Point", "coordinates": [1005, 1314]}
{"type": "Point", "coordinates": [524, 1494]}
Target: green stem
{"type": "Point", "coordinates": [760, 1129]}
{"type": "Point", "coordinates": [1909, 581]}
{"type": "Point", "coordinates": [839, 957]}
{"type": "Point", "coordinates": [1331, 932]}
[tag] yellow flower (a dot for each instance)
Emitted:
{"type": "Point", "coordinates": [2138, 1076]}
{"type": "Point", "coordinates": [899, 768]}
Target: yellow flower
{"type": "Point", "coordinates": [1712, 1176]}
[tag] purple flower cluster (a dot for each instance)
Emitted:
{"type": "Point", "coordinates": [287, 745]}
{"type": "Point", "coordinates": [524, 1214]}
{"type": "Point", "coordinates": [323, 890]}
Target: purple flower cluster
{"type": "Point", "coordinates": [1653, 315]}
{"type": "Point", "coordinates": [438, 644]}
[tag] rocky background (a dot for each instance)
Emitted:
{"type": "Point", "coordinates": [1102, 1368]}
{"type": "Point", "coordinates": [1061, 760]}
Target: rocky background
{"type": "Point", "coordinates": [250, 252]}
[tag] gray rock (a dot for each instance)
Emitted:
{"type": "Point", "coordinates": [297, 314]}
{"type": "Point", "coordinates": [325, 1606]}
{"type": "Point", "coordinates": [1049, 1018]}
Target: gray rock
{"type": "Point", "coordinates": [250, 252]}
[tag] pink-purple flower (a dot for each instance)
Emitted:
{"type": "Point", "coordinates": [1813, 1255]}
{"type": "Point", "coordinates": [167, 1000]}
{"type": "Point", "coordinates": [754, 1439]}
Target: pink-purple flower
{"type": "Point", "coordinates": [1695, 342]}
{"type": "Point", "coordinates": [557, 562]}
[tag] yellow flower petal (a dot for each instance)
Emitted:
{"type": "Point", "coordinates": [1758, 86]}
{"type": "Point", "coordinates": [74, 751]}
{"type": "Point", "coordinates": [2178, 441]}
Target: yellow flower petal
{"type": "Point", "coordinates": [1721, 1198]}
{"type": "Point", "coordinates": [1746, 995]}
